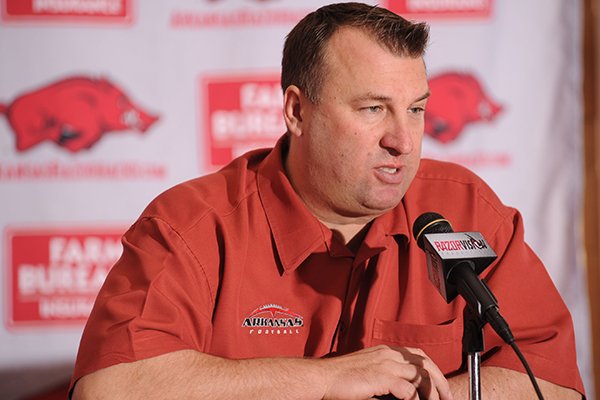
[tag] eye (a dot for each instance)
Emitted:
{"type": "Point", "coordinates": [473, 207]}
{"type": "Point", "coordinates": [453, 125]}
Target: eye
{"type": "Point", "coordinates": [417, 109]}
{"type": "Point", "coordinates": [372, 109]}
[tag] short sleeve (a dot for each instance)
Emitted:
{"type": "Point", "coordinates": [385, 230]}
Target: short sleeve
{"type": "Point", "coordinates": [535, 311]}
{"type": "Point", "coordinates": [155, 300]}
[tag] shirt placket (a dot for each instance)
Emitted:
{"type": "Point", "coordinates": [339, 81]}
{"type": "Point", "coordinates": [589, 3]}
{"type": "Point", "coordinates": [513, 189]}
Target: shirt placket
{"type": "Point", "coordinates": [353, 327]}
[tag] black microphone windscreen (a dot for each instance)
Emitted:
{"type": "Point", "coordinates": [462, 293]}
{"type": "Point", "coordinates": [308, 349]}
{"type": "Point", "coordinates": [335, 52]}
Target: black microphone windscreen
{"type": "Point", "coordinates": [430, 222]}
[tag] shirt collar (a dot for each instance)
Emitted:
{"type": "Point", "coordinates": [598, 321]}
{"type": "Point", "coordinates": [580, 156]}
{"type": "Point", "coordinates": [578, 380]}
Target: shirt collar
{"type": "Point", "coordinates": [296, 231]}
{"type": "Point", "coordinates": [391, 224]}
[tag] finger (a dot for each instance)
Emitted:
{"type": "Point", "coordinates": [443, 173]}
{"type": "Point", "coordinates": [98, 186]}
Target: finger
{"type": "Point", "coordinates": [425, 385]}
{"type": "Point", "coordinates": [438, 380]}
{"type": "Point", "coordinates": [403, 389]}
{"type": "Point", "coordinates": [402, 380]}
{"type": "Point", "coordinates": [407, 379]}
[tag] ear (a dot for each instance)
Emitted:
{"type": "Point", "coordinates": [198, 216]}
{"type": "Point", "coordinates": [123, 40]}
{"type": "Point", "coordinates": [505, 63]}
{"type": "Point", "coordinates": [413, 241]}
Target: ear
{"type": "Point", "coordinates": [293, 103]}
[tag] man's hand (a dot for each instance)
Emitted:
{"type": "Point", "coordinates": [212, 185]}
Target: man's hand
{"type": "Point", "coordinates": [406, 373]}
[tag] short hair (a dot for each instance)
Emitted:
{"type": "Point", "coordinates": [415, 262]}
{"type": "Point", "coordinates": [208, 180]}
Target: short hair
{"type": "Point", "coordinates": [303, 61]}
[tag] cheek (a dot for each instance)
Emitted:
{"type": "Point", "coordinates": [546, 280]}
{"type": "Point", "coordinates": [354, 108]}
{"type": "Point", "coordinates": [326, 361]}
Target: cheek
{"type": "Point", "coordinates": [351, 155]}
{"type": "Point", "coordinates": [339, 163]}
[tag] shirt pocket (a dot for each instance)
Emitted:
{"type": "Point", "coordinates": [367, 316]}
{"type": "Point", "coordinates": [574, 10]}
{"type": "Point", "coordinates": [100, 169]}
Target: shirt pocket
{"type": "Point", "coordinates": [442, 343]}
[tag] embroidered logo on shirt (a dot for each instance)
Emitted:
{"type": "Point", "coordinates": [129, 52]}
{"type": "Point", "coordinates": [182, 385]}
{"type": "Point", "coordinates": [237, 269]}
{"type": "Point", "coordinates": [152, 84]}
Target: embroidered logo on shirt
{"type": "Point", "coordinates": [273, 319]}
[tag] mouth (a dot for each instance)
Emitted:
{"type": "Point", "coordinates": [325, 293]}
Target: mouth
{"type": "Point", "coordinates": [389, 170]}
{"type": "Point", "coordinates": [390, 175]}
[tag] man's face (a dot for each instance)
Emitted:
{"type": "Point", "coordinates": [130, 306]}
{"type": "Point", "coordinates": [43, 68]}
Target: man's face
{"type": "Point", "coordinates": [355, 152]}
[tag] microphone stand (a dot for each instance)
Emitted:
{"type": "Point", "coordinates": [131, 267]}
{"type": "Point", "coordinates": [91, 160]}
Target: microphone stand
{"type": "Point", "coordinates": [472, 346]}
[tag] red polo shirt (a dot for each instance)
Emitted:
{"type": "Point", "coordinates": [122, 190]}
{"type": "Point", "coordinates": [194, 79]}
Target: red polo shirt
{"type": "Point", "coordinates": [234, 264]}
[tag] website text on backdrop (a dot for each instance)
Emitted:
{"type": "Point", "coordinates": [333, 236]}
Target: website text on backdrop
{"type": "Point", "coordinates": [292, 273]}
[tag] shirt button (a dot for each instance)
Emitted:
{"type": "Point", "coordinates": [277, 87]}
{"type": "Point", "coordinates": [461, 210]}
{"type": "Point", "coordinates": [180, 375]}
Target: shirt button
{"type": "Point", "coordinates": [342, 327]}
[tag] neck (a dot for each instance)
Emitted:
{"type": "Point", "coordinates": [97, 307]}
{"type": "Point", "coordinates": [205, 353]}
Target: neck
{"type": "Point", "coordinates": [351, 235]}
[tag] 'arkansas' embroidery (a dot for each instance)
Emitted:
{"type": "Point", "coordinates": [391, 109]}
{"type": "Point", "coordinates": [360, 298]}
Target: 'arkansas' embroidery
{"type": "Point", "coordinates": [273, 319]}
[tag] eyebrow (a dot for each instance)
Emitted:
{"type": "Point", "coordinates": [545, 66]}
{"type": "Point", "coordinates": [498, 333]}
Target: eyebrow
{"type": "Point", "coordinates": [370, 96]}
{"type": "Point", "coordinates": [426, 95]}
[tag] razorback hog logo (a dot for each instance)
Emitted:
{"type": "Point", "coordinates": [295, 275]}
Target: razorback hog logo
{"type": "Point", "coordinates": [74, 113]}
{"type": "Point", "coordinates": [457, 99]}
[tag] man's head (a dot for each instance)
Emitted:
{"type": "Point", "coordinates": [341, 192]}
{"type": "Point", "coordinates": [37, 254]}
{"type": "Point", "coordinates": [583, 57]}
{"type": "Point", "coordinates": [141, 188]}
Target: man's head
{"type": "Point", "coordinates": [354, 110]}
{"type": "Point", "coordinates": [303, 62]}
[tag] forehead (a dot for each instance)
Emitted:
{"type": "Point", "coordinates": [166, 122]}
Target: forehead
{"type": "Point", "coordinates": [354, 60]}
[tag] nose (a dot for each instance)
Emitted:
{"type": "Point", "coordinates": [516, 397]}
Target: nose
{"type": "Point", "coordinates": [398, 138]}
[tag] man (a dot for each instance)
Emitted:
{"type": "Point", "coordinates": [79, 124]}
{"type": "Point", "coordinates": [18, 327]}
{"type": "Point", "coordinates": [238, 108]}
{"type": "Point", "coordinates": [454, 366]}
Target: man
{"type": "Point", "coordinates": [291, 273]}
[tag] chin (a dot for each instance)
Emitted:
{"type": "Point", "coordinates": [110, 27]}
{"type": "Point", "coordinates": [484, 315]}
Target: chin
{"type": "Point", "coordinates": [388, 199]}
{"type": "Point", "coordinates": [381, 207]}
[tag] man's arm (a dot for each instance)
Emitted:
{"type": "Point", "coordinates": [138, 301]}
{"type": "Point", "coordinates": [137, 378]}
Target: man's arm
{"type": "Point", "coordinates": [190, 374]}
{"type": "Point", "coordinates": [501, 383]}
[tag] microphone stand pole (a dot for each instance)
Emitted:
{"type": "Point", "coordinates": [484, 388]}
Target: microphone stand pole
{"type": "Point", "coordinates": [472, 346]}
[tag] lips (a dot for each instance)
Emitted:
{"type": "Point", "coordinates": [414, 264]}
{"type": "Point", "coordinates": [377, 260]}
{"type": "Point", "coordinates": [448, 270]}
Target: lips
{"type": "Point", "coordinates": [389, 174]}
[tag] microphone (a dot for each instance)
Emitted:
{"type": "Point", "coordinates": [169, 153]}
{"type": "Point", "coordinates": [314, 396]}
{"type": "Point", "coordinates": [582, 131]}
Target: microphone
{"type": "Point", "coordinates": [454, 261]}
